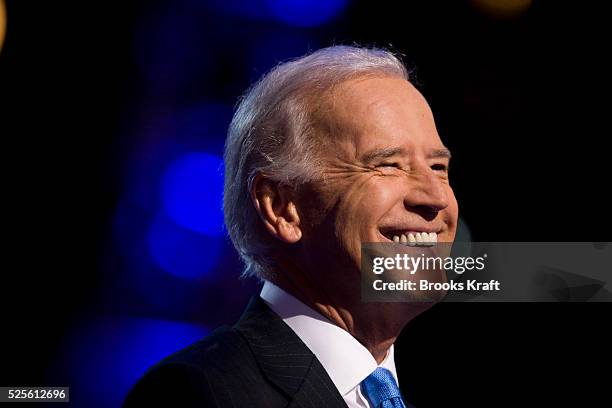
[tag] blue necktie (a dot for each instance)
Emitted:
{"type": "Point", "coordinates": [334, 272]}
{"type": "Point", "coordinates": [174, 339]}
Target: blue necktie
{"type": "Point", "coordinates": [381, 390]}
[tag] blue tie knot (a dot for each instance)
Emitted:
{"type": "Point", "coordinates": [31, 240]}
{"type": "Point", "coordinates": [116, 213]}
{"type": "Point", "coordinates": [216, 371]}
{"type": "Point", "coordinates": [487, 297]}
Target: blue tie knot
{"type": "Point", "coordinates": [380, 386]}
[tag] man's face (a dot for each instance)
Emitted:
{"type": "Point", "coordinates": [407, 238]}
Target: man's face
{"type": "Point", "coordinates": [385, 174]}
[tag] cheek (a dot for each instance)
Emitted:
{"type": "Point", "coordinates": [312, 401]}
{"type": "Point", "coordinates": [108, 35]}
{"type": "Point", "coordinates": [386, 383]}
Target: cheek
{"type": "Point", "coordinates": [367, 202]}
{"type": "Point", "coordinates": [379, 198]}
{"type": "Point", "coordinates": [452, 211]}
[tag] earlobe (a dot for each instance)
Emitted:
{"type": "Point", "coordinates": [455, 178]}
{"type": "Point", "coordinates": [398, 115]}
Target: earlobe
{"type": "Point", "coordinates": [276, 208]}
{"type": "Point", "coordinates": [288, 231]}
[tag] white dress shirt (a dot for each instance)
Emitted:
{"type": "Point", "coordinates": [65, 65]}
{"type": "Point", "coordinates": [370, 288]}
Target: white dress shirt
{"type": "Point", "coordinates": [346, 361]}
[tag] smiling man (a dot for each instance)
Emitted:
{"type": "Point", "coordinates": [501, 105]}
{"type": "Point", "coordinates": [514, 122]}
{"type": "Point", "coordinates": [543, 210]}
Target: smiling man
{"type": "Point", "coordinates": [324, 153]}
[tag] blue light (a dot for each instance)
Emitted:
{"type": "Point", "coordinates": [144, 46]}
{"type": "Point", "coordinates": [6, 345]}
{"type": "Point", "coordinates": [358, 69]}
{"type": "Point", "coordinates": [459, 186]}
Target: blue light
{"type": "Point", "coordinates": [171, 48]}
{"type": "Point", "coordinates": [192, 191]}
{"type": "Point", "coordinates": [306, 13]}
{"type": "Point", "coordinates": [170, 135]}
{"type": "Point", "coordinates": [108, 356]}
{"type": "Point", "coordinates": [277, 45]}
{"type": "Point", "coordinates": [202, 127]}
{"type": "Point", "coordinates": [182, 252]}
{"type": "Point", "coordinates": [252, 9]}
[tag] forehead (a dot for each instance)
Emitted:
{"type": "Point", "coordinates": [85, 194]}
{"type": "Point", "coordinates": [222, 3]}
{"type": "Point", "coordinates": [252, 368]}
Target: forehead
{"type": "Point", "coordinates": [368, 113]}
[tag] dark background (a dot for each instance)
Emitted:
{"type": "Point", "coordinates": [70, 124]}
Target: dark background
{"type": "Point", "coordinates": [107, 108]}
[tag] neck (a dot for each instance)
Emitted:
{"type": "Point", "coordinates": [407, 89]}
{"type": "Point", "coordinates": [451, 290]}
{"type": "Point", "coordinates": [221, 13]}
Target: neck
{"type": "Point", "coordinates": [375, 325]}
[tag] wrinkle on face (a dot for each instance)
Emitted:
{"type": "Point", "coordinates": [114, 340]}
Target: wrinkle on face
{"type": "Point", "coordinates": [359, 192]}
{"type": "Point", "coordinates": [344, 208]}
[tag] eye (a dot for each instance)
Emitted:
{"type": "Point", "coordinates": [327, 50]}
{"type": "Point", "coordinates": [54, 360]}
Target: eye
{"type": "Point", "coordinates": [390, 164]}
{"type": "Point", "coordinates": [439, 167]}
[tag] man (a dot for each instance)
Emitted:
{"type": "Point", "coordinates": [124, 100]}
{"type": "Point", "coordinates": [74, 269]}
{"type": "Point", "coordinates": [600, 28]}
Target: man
{"type": "Point", "coordinates": [324, 153]}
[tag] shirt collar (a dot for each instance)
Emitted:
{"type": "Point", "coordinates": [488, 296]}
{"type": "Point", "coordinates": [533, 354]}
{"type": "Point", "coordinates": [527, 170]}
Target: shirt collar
{"type": "Point", "coordinates": [346, 361]}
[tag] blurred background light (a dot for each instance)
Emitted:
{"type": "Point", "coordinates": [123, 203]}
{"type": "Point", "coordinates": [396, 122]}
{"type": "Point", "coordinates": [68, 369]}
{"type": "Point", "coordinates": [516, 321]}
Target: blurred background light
{"type": "Point", "coordinates": [105, 357]}
{"type": "Point", "coordinates": [275, 46]}
{"type": "Point", "coordinates": [166, 134]}
{"type": "Point", "coordinates": [192, 191]}
{"type": "Point", "coordinates": [164, 269]}
{"type": "Point", "coordinates": [202, 126]}
{"type": "Point", "coordinates": [296, 13]}
{"type": "Point", "coordinates": [252, 10]}
{"type": "Point", "coordinates": [172, 49]}
{"type": "Point", "coordinates": [502, 8]}
{"type": "Point", "coordinates": [306, 13]}
{"type": "Point", "coordinates": [182, 252]}
{"type": "Point", "coordinates": [2, 23]}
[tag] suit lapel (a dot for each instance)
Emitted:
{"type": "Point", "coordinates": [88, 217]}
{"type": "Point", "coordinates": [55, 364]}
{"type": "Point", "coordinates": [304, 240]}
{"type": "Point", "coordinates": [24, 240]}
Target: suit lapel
{"type": "Point", "coordinates": [285, 360]}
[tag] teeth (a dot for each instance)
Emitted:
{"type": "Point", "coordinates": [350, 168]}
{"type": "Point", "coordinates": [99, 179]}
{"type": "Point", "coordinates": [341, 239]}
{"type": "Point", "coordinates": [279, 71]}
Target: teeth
{"type": "Point", "coordinates": [418, 239]}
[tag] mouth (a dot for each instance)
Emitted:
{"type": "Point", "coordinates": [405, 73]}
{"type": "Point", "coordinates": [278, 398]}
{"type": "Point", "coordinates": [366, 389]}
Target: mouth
{"type": "Point", "coordinates": [412, 237]}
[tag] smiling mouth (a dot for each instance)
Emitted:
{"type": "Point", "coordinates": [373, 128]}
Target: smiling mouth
{"type": "Point", "coordinates": [412, 238]}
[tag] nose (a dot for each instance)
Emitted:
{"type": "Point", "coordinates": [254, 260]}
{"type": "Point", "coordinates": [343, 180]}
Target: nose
{"type": "Point", "coordinates": [427, 194]}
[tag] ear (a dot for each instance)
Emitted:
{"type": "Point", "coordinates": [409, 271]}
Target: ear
{"type": "Point", "coordinates": [277, 209]}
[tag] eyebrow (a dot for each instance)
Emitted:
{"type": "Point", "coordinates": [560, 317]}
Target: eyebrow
{"type": "Point", "coordinates": [385, 153]}
{"type": "Point", "coordinates": [444, 152]}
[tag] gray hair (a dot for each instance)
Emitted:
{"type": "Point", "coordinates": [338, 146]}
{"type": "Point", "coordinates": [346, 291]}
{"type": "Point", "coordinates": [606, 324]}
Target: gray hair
{"type": "Point", "coordinates": [271, 134]}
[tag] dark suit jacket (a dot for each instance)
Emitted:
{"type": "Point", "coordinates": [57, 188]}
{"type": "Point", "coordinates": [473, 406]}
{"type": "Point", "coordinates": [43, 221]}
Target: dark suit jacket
{"type": "Point", "coordinates": [260, 362]}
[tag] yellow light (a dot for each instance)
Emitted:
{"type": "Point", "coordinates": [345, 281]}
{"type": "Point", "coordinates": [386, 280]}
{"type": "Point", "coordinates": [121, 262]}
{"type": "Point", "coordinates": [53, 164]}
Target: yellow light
{"type": "Point", "coordinates": [2, 22]}
{"type": "Point", "coordinates": [502, 8]}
